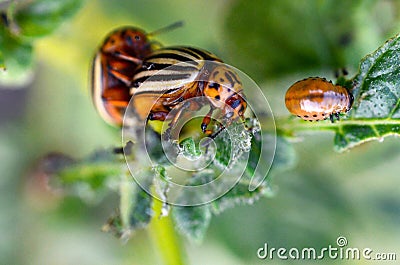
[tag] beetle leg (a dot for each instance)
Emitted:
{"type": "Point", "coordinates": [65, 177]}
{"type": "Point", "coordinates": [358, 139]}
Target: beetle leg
{"type": "Point", "coordinates": [221, 128]}
{"type": "Point", "coordinates": [129, 58]}
{"type": "Point", "coordinates": [126, 80]}
{"type": "Point", "coordinates": [157, 116]}
{"type": "Point", "coordinates": [206, 120]}
{"type": "Point", "coordinates": [176, 117]}
{"type": "Point", "coordinates": [207, 141]}
{"type": "Point", "coordinates": [337, 116]}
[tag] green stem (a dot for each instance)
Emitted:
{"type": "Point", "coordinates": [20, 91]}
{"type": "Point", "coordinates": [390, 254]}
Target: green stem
{"type": "Point", "coordinates": [165, 238]}
{"type": "Point", "coordinates": [289, 125]}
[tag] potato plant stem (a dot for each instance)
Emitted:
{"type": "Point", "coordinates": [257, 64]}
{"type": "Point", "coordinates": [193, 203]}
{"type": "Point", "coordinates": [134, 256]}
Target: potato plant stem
{"type": "Point", "coordinates": [165, 238]}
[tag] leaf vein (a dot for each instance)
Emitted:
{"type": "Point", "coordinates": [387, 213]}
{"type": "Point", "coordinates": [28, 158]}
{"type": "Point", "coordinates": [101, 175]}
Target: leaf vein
{"type": "Point", "coordinates": [394, 109]}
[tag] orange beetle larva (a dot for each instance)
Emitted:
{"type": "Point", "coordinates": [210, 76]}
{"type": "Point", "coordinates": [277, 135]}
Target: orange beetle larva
{"type": "Point", "coordinates": [314, 99]}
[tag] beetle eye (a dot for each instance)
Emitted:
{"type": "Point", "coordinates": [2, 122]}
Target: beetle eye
{"type": "Point", "coordinates": [235, 103]}
{"type": "Point", "coordinates": [137, 37]}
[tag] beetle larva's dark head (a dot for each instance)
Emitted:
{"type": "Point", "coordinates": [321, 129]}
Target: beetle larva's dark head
{"type": "Point", "coordinates": [224, 89]}
{"type": "Point", "coordinates": [127, 41]}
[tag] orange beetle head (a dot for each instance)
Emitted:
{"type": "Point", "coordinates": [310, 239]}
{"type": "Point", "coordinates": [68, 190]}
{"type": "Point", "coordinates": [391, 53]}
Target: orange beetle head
{"type": "Point", "coordinates": [224, 89]}
{"type": "Point", "coordinates": [128, 41]}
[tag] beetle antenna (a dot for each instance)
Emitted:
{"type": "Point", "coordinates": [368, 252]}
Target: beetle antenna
{"type": "Point", "coordinates": [170, 27]}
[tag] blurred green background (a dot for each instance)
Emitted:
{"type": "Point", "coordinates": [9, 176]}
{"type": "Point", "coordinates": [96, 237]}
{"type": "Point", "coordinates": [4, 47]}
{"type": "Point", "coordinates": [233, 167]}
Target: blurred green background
{"type": "Point", "coordinates": [353, 194]}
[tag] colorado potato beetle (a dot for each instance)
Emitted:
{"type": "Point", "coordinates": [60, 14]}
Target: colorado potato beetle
{"type": "Point", "coordinates": [315, 99]}
{"type": "Point", "coordinates": [114, 65]}
{"type": "Point", "coordinates": [163, 90]}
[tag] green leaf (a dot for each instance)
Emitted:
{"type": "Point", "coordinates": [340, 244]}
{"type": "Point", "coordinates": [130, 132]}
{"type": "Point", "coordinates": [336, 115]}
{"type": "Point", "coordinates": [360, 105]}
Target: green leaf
{"type": "Point", "coordinates": [239, 195]}
{"type": "Point", "coordinates": [140, 213]}
{"type": "Point", "coordinates": [192, 221]}
{"type": "Point", "coordinates": [93, 171]}
{"type": "Point", "coordinates": [286, 36]}
{"type": "Point", "coordinates": [154, 147]}
{"type": "Point", "coordinates": [376, 109]}
{"type": "Point", "coordinates": [189, 148]}
{"type": "Point", "coordinates": [285, 155]}
{"type": "Point", "coordinates": [135, 210]}
{"type": "Point", "coordinates": [231, 144]}
{"type": "Point", "coordinates": [41, 17]}
{"type": "Point", "coordinates": [16, 58]}
{"type": "Point", "coordinates": [87, 178]}
{"type": "Point", "coordinates": [285, 158]}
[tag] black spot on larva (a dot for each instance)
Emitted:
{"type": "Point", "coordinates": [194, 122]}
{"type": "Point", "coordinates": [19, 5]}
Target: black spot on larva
{"type": "Point", "coordinates": [299, 116]}
{"type": "Point", "coordinates": [315, 115]}
{"type": "Point", "coordinates": [222, 80]}
{"type": "Point", "coordinates": [217, 97]}
{"type": "Point", "coordinates": [305, 116]}
{"type": "Point", "coordinates": [323, 114]}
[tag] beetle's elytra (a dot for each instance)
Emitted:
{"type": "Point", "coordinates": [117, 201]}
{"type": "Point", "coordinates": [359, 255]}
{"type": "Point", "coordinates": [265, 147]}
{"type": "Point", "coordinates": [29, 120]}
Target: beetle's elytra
{"type": "Point", "coordinates": [113, 67]}
{"type": "Point", "coordinates": [315, 99]}
{"type": "Point", "coordinates": [127, 66]}
{"type": "Point", "coordinates": [162, 90]}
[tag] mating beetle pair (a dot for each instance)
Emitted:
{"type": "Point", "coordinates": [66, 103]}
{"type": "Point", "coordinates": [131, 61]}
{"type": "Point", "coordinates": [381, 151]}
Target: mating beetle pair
{"type": "Point", "coordinates": [128, 58]}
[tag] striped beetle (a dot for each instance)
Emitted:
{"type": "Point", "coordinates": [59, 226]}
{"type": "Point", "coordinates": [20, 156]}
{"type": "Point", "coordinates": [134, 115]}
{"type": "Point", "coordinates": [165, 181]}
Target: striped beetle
{"type": "Point", "coordinates": [114, 65]}
{"type": "Point", "coordinates": [187, 73]}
